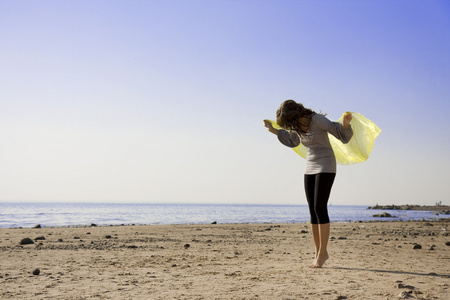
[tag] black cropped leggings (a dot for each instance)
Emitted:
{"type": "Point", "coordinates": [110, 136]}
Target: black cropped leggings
{"type": "Point", "coordinates": [317, 189]}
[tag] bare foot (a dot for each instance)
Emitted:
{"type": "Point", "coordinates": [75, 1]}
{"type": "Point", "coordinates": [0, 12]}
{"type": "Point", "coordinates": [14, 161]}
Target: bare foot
{"type": "Point", "coordinates": [319, 261]}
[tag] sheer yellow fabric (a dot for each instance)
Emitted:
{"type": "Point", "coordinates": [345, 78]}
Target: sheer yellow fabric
{"type": "Point", "coordinates": [358, 149]}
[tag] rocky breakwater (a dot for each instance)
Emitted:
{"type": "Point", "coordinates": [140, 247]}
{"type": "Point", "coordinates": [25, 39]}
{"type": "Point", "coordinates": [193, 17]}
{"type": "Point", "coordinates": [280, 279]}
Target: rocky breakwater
{"type": "Point", "coordinates": [440, 209]}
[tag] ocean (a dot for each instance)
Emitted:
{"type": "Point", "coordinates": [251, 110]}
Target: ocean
{"type": "Point", "coordinates": [13, 215]}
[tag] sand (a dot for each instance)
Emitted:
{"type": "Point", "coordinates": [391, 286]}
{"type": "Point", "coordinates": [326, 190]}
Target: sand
{"type": "Point", "coordinates": [227, 261]}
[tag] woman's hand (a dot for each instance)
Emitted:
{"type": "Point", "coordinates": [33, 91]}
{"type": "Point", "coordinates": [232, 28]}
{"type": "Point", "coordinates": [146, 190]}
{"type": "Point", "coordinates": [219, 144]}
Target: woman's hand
{"type": "Point", "coordinates": [270, 127]}
{"type": "Point", "coordinates": [347, 119]}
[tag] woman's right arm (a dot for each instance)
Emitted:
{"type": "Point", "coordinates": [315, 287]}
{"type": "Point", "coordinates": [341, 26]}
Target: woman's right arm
{"type": "Point", "coordinates": [270, 127]}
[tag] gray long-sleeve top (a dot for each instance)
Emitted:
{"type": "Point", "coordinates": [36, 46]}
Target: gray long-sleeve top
{"type": "Point", "coordinates": [320, 156]}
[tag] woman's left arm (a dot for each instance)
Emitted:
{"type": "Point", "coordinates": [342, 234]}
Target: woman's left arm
{"type": "Point", "coordinates": [347, 119]}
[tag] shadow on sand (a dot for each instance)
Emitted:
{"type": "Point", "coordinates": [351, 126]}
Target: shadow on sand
{"type": "Point", "coordinates": [393, 272]}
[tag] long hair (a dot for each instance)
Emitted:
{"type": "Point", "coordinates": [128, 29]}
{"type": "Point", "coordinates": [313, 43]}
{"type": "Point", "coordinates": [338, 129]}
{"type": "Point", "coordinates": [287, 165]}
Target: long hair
{"type": "Point", "coordinates": [289, 114]}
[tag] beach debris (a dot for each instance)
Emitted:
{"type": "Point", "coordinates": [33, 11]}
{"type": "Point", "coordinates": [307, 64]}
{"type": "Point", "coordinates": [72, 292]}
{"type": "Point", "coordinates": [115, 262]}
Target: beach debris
{"type": "Point", "coordinates": [214, 222]}
{"type": "Point", "coordinates": [93, 225]}
{"type": "Point", "coordinates": [186, 246]}
{"type": "Point", "coordinates": [26, 241]}
{"type": "Point", "coordinates": [37, 226]}
{"type": "Point", "coordinates": [36, 272]}
{"type": "Point", "coordinates": [417, 246]}
{"type": "Point", "coordinates": [384, 215]}
{"type": "Point", "coordinates": [76, 238]}
{"type": "Point", "coordinates": [40, 238]}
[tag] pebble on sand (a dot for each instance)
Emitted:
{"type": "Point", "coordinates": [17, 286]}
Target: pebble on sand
{"type": "Point", "coordinates": [36, 272]}
{"type": "Point", "coordinates": [26, 241]}
{"type": "Point", "coordinates": [404, 295]}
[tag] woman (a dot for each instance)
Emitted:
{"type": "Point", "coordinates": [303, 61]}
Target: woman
{"type": "Point", "coordinates": [302, 125]}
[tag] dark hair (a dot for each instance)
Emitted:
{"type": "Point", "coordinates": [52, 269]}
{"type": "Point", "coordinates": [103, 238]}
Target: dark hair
{"type": "Point", "coordinates": [289, 114]}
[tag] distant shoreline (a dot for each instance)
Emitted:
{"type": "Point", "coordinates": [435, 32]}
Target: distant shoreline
{"type": "Point", "coordinates": [445, 209]}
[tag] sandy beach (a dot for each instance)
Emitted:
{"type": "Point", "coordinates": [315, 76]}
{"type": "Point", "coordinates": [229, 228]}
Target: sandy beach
{"type": "Point", "coordinates": [379, 260]}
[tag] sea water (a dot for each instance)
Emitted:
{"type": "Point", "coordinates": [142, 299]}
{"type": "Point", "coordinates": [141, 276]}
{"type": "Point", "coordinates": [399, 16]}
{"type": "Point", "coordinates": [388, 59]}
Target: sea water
{"type": "Point", "coordinates": [14, 215]}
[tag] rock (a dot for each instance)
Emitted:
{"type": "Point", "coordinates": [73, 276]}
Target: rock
{"type": "Point", "coordinates": [93, 225]}
{"type": "Point", "coordinates": [36, 272]}
{"type": "Point", "coordinates": [384, 215]}
{"type": "Point", "coordinates": [60, 240]}
{"type": "Point", "coordinates": [214, 222]}
{"type": "Point", "coordinates": [108, 236]}
{"type": "Point", "coordinates": [404, 286]}
{"type": "Point", "coordinates": [417, 246]}
{"type": "Point", "coordinates": [40, 238]}
{"type": "Point", "coordinates": [304, 231]}
{"type": "Point", "coordinates": [404, 295]}
{"type": "Point", "coordinates": [76, 237]}
{"type": "Point", "coordinates": [186, 246]}
{"type": "Point", "coordinates": [447, 243]}
{"type": "Point", "coordinates": [26, 241]}
{"type": "Point", "coordinates": [37, 226]}
{"type": "Point", "coordinates": [342, 238]}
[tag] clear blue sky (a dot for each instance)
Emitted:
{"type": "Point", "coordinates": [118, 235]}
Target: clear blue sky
{"type": "Point", "coordinates": [163, 101]}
